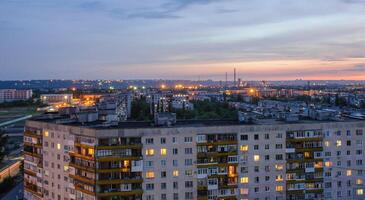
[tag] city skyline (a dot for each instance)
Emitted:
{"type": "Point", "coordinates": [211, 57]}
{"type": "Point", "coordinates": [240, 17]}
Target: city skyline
{"type": "Point", "coordinates": [176, 39]}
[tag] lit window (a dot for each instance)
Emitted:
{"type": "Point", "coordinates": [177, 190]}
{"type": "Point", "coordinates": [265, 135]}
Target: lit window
{"type": "Point", "coordinates": [163, 152]}
{"type": "Point", "coordinates": [91, 151]}
{"type": "Point", "coordinates": [327, 143]}
{"type": "Point", "coordinates": [359, 191]}
{"type": "Point", "coordinates": [150, 174]}
{"type": "Point", "coordinates": [279, 188]}
{"type": "Point", "coordinates": [150, 152]}
{"type": "Point", "coordinates": [175, 173]}
{"type": "Point", "coordinates": [359, 181]}
{"type": "Point", "coordinates": [244, 179]}
{"type": "Point", "coordinates": [307, 154]}
{"type": "Point", "coordinates": [279, 167]}
{"type": "Point", "coordinates": [65, 168]}
{"type": "Point", "coordinates": [58, 146]}
{"type": "Point", "coordinates": [279, 178]}
{"type": "Point", "coordinates": [328, 164]}
{"type": "Point", "coordinates": [46, 133]}
{"type": "Point", "coordinates": [349, 173]}
{"type": "Point", "coordinates": [244, 147]}
{"type": "Point", "coordinates": [338, 143]}
{"type": "Point", "coordinates": [256, 157]}
{"type": "Point", "coordinates": [244, 191]}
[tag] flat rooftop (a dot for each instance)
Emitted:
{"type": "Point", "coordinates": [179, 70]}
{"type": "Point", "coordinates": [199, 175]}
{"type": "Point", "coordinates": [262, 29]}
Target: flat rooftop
{"type": "Point", "coordinates": [65, 120]}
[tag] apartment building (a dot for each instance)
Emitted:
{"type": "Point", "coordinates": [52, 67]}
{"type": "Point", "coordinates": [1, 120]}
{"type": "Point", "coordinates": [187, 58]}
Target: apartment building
{"type": "Point", "coordinates": [270, 160]}
{"type": "Point", "coordinates": [9, 95]}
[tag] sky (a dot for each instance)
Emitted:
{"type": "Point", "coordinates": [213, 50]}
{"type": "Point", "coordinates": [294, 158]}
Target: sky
{"type": "Point", "coordinates": [182, 39]}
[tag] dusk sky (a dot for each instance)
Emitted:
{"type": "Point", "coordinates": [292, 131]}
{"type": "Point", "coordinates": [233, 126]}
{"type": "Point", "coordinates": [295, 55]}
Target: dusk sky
{"type": "Point", "coordinates": [182, 39]}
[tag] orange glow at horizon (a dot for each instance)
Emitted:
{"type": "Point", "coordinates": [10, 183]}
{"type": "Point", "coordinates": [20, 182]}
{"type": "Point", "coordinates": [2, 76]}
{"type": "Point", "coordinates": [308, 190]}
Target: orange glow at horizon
{"type": "Point", "coordinates": [309, 69]}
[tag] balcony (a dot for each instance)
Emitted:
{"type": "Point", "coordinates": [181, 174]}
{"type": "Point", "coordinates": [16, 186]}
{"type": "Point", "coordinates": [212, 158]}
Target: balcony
{"type": "Point", "coordinates": [122, 180]}
{"type": "Point", "coordinates": [82, 179]}
{"type": "Point", "coordinates": [32, 188]}
{"type": "Point", "coordinates": [135, 192]}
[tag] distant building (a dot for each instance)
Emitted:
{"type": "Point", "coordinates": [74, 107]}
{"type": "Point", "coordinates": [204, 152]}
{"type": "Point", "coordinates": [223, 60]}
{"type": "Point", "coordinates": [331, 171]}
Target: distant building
{"type": "Point", "coordinates": [9, 95]}
{"type": "Point", "coordinates": [56, 98]}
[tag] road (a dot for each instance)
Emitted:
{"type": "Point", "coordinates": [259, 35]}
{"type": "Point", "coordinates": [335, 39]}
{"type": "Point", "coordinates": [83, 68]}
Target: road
{"type": "Point", "coordinates": [12, 195]}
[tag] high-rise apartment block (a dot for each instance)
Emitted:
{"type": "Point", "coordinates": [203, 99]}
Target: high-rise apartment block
{"type": "Point", "coordinates": [271, 160]}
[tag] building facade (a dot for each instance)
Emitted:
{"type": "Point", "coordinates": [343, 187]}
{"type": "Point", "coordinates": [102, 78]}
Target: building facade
{"type": "Point", "coordinates": [9, 95]}
{"type": "Point", "coordinates": [194, 161]}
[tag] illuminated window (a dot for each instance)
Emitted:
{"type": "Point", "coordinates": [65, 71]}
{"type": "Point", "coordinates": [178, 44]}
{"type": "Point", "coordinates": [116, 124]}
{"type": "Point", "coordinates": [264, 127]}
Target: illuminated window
{"type": "Point", "coordinates": [175, 173]}
{"type": "Point", "coordinates": [244, 191]}
{"type": "Point", "coordinates": [150, 174]}
{"type": "Point", "coordinates": [338, 143]}
{"type": "Point", "coordinates": [328, 164]}
{"type": "Point", "coordinates": [65, 168]}
{"type": "Point", "coordinates": [163, 152]}
{"type": "Point", "coordinates": [256, 157]}
{"type": "Point", "coordinates": [279, 178]}
{"type": "Point", "coordinates": [150, 152]}
{"type": "Point", "coordinates": [349, 173]}
{"type": "Point", "coordinates": [327, 143]}
{"type": "Point", "coordinates": [244, 179]}
{"type": "Point", "coordinates": [46, 133]}
{"type": "Point", "coordinates": [359, 191]}
{"type": "Point", "coordinates": [307, 154]}
{"type": "Point", "coordinates": [91, 151]}
{"type": "Point", "coordinates": [231, 171]}
{"type": "Point", "coordinates": [359, 181]}
{"type": "Point", "coordinates": [279, 188]}
{"type": "Point", "coordinates": [279, 167]}
{"type": "Point", "coordinates": [58, 146]}
{"type": "Point", "coordinates": [244, 147]}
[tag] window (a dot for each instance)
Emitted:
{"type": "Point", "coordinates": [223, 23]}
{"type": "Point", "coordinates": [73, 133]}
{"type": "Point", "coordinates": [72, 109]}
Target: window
{"type": "Point", "coordinates": [256, 137]}
{"type": "Point", "coordinates": [244, 137]}
{"type": "Point", "coordinates": [46, 133]}
{"type": "Point", "coordinates": [150, 152]}
{"type": "Point", "coordinates": [279, 167]}
{"type": "Point", "coordinates": [188, 150]}
{"type": "Point", "coordinates": [327, 143]}
{"type": "Point", "coordinates": [188, 139]}
{"type": "Point", "coordinates": [256, 157]}
{"type": "Point", "coordinates": [256, 147]}
{"type": "Point", "coordinates": [244, 148]}
{"type": "Point", "coordinates": [279, 188]}
{"type": "Point", "coordinates": [267, 136]}
{"type": "Point", "coordinates": [175, 173]}
{"type": "Point", "coordinates": [149, 163]}
{"type": "Point", "coordinates": [58, 146]}
{"type": "Point", "coordinates": [163, 140]}
{"type": "Point", "coordinates": [163, 174]}
{"type": "Point", "coordinates": [163, 186]}
{"type": "Point", "coordinates": [188, 184]}
{"type": "Point", "coordinates": [349, 173]}
{"type": "Point", "coordinates": [163, 162]}
{"type": "Point", "coordinates": [279, 178]}
{"type": "Point", "coordinates": [150, 174]}
{"type": "Point", "coordinates": [338, 143]}
{"type": "Point", "coordinates": [149, 140]}
{"type": "Point", "coordinates": [174, 140]}
{"type": "Point", "coordinates": [188, 172]}
{"type": "Point", "coordinates": [279, 157]}
{"type": "Point", "coordinates": [244, 179]}
{"type": "Point", "coordinates": [188, 162]}
{"type": "Point", "coordinates": [174, 163]}
{"type": "Point", "coordinates": [163, 152]}
{"type": "Point", "coordinates": [359, 192]}
{"type": "Point", "coordinates": [174, 151]}
{"type": "Point", "coordinates": [359, 181]}
{"type": "Point", "coordinates": [150, 186]}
